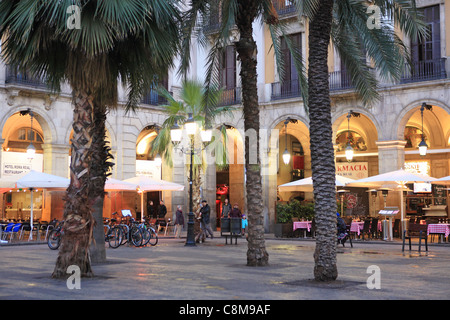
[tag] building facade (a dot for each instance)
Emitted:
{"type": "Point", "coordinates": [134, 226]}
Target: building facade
{"type": "Point", "coordinates": [385, 137]}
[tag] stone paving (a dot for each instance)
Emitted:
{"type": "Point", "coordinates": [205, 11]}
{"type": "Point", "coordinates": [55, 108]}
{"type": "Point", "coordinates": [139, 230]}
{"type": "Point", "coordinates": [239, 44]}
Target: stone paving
{"type": "Point", "coordinates": [215, 271]}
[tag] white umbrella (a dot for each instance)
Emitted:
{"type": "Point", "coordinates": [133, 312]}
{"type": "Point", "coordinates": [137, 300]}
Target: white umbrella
{"type": "Point", "coordinates": [37, 180]}
{"type": "Point", "coordinates": [397, 177]}
{"type": "Point", "coordinates": [146, 184]}
{"type": "Point", "coordinates": [444, 181]}
{"type": "Point", "coordinates": [306, 184]}
{"type": "Point", "coordinates": [119, 185]}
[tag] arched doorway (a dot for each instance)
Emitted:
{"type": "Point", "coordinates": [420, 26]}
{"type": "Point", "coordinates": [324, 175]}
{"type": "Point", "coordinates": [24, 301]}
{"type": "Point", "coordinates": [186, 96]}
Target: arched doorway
{"type": "Point", "coordinates": [21, 132]}
{"type": "Point", "coordinates": [230, 173]}
{"type": "Point", "coordinates": [434, 129]}
{"type": "Point", "coordinates": [357, 130]}
{"type": "Point", "coordinates": [151, 165]}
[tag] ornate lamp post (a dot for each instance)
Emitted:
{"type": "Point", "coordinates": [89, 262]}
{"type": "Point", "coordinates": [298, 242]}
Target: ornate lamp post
{"type": "Point", "coordinates": [176, 134]}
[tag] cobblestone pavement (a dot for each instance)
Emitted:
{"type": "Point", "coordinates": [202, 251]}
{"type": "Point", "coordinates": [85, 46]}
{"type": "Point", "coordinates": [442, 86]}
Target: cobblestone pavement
{"type": "Point", "coordinates": [215, 271]}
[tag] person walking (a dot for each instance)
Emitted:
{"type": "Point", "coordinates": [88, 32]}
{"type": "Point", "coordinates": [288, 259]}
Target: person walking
{"type": "Point", "coordinates": [205, 219]}
{"type": "Point", "coordinates": [179, 221]}
{"type": "Point", "coordinates": [198, 232]}
{"type": "Point", "coordinates": [226, 209]}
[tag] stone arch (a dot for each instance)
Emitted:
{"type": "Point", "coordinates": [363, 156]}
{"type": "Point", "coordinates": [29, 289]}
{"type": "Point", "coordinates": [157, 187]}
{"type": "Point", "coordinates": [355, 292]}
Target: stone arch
{"type": "Point", "coordinates": [399, 124]}
{"type": "Point", "coordinates": [46, 123]}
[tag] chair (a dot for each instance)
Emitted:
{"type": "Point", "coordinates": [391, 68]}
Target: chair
{"type": "Point", "coordinates": [15, 230]}
{"type": "Point", "coordinates": [366, 228]}
{"type": "Point", "coordinates": [7, 230]}
{"type": "Point", "coordinates": [415, 231]}
{"type": "Point", "coordinates": [169, 225]}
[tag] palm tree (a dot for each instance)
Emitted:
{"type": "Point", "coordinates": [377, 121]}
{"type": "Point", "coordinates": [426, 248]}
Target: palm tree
{"type": "Point", "coordinates": [344, 22]}
{"type": "Point", "coordinates": [240, 14]}
{"type": "Point", "coordinates": [133, 41]}
{"type": "Point", "coordinates": [204, 110]}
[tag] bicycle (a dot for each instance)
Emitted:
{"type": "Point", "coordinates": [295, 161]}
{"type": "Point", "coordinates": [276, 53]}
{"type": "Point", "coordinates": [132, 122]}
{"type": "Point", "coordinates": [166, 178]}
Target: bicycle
{"type": "Point", "coordinates": [54, 237]}
{"type": "Point", "coordinates": [124, 233]}
{"type": "Point", "coordinates": [113, 237]}
{"type": "Point", "coordinates": [149, 233]}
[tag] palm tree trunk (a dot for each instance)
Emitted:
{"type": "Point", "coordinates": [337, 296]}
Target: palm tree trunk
{"type": "Point", "coordinates": [322, 153]}
{"type": "Point", "coordinates": [246, 48]}
{"type": "Point", "coordinates": [98, 169]}
{"type": "Point", "coordinates": [78, 220]}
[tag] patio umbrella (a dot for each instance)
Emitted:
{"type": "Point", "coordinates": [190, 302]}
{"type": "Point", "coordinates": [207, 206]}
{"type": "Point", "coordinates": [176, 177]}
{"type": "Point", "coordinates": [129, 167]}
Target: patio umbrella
{"type": "Point", "coordinates": [37, 180]}
{"type": "Point", "coordinates": [306, 184]}
{"type": "Point", "coordinates": [119, 185]}
{"type": "Point", "coordinates": [443, 181]}
{"type": "Point", "coordinates": [397, 178]}
{"type": "Point", "coordinates": [145, 184]}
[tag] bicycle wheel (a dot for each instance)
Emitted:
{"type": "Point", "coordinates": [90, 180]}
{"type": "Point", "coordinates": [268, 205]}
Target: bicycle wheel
{"type": "Point", "coordinates": [136, 236]}
{"type": "Point", "coordinates": [146, 236]}
{"type": "Point", "coordinates": [153, 237]}
{"type": "Point", "coordinates": [115, 237]}
{"type": "Point", "coordinates": [54, 239]}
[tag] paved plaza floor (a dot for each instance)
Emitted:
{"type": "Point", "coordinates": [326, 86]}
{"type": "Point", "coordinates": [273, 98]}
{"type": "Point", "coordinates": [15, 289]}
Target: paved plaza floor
{"type": "Point", "coordinates": [215, 271]}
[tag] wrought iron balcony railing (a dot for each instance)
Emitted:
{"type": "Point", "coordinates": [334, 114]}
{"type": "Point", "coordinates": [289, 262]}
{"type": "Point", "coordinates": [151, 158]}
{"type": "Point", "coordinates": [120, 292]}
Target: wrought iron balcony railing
{"type": "Point", "coordinates": [424, 71]}
{"type": "Point", "coordinates": [154, 99]}
{"type": "Point", "coordinates": [15, 77]}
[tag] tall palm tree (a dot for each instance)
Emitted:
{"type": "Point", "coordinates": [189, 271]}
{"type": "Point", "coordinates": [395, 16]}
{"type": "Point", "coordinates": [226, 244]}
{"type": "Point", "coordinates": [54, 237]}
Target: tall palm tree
{"type": "Point", "coordinates": [344, 22]}
{"type": "Point", "coordinates": [130, 40]}
{"type": "Point", "coordinates": [238, 14]}
{"type": "Point", "coordinates": [204, 111]}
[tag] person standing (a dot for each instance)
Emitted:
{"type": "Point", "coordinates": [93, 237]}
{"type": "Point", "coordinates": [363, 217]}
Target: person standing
{"type": "Point", "coordinates": [179, 221]}
{"type": "Point", "coordinates": [162, 210]}
{"type": "Point", "coordinates": [205, 219]}
{"type": "Point", "coordinates": [235, 213]}
{"type": "Point", "coordinates": [151, 214]}
{"type": "Point", "coordinates": [226, 209]}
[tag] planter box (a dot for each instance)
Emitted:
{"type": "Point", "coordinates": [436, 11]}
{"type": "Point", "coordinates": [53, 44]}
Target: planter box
{"type": "Point", "coordinates": [283, 230]}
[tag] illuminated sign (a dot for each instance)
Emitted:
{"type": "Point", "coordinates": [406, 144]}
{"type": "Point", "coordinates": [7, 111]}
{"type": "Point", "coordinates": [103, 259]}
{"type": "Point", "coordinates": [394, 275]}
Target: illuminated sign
{"type": "Point", "coordinates": [421, 167]}
{"type": "Point", "coordinates": [352, 170]}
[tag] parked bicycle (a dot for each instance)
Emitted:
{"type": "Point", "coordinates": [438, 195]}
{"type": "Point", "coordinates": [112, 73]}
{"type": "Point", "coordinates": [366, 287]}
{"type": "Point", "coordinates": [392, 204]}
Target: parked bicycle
{"type": "Point", "coordinates": [54, 237]}
{"type": "Point", "coordinates": [125, 233]}
{"type": "Point", "coordinates": [149, 233]}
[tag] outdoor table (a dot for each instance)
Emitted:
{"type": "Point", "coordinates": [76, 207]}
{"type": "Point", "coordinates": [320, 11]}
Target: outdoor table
{"type": "Point", "coordinates": [442, 228]}
{"type": "Point", "coordinates": [357, 226]}
{"type": "Point", "coordinates": [305, 225]}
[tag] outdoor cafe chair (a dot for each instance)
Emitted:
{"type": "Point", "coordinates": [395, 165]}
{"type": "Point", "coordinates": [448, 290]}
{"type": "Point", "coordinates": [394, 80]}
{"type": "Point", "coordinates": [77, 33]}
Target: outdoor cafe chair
{"type": "Point", "coordinates": [415, 231]}
{"type": "Point", "coordinates": [366, 228]}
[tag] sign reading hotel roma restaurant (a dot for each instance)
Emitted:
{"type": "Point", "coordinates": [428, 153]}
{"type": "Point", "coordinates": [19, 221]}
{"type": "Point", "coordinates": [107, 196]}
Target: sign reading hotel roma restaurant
{"type": "Point", "coordinates": [16, 163]}
{"type": "Point", "coordinates": [352, 170]}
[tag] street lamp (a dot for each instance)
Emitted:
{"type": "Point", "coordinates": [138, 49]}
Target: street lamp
{"type": "Point", "coordinates": [176, 135]}
{"type": "Point", "coordinates": [31, 150]}
{"type": "Point", "coordinates": [423, 145]}
{"type": "Point", "coordinates": [349, 149]}
{"type": "Point", "coordinates": [286, 154]}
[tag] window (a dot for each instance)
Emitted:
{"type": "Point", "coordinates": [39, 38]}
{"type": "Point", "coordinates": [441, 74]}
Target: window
{"type": "Point", "coordinates": [429, 48]}
{"type": "Point", "coordinates": [227, 68]}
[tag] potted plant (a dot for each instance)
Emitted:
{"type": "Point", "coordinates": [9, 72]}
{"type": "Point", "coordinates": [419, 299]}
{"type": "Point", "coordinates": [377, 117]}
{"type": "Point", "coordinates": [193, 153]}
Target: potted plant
{"type": "Point", "coordinates": [283, 225]}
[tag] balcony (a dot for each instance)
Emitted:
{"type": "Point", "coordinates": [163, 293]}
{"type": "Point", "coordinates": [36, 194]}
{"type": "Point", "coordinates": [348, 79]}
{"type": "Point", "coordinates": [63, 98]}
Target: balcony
{"type": "Point", "coordinates": [338, 80]}
{"type": "Point", "coordinates": [285, 90]}
{"type": "Point", "coordinates": [284, 7]}
{"type": "Point", "coordinates": [230, 97]}
{"type": "Point", "coordinates": [23, 79]}
{"type": "Point", "coordinates": [154, 99]}
{"type": "Point", "coordinates": [424, 71]}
